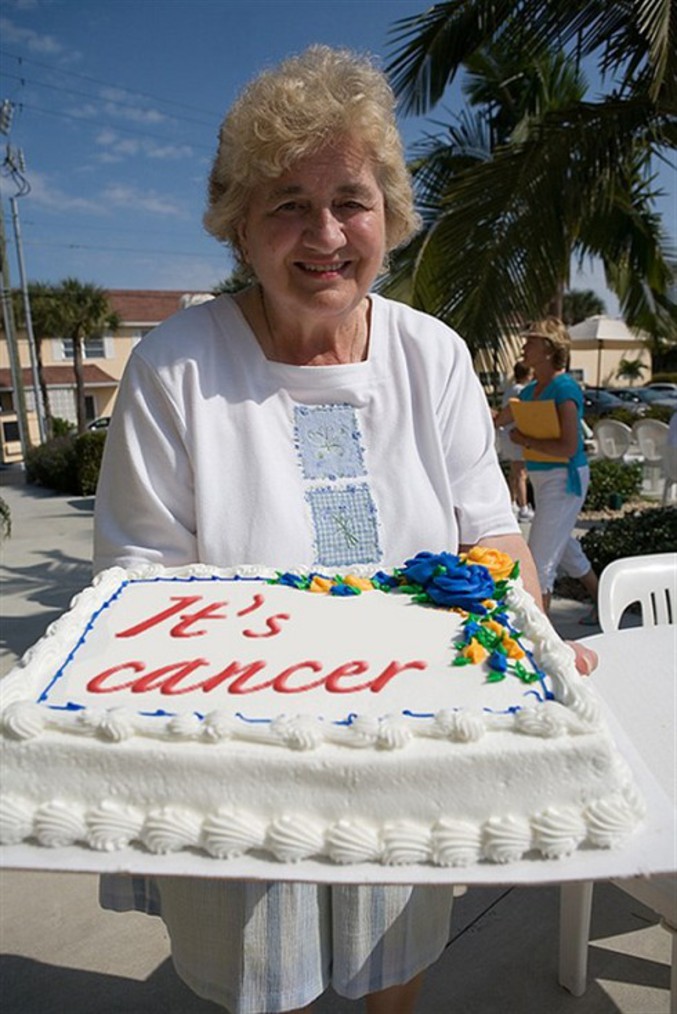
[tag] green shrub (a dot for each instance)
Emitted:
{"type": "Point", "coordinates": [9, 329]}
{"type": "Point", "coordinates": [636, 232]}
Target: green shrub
{"type": "Point", "coordinates": [88, 452]}
{"type": "Point", "coordinates": [54, 465]}
{"type": "Point", "coordinates": [623, 415]}
{"type": "Point", "coordinates": [62, 427]}
{"type": "Point", "coordinates": [67, 464]}
{"type": "Point", "coordinates": [660, 412]}
{"type": "Point", "coordinates": [636, 534]}
{"type": "Point", "coordinates": [610, 480]}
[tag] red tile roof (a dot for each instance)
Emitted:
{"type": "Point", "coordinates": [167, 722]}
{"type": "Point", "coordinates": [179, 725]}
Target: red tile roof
{"type": "Point", "coordinates": [148, 306]}
{"type": "Point", "coordinates": [60, 376]}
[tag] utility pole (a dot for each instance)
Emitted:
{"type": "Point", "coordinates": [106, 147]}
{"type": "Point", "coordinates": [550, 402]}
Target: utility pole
{"type": "Point", "coordinates": [14, 166]}
{"type": "Point", "coordinates": [18, 394]}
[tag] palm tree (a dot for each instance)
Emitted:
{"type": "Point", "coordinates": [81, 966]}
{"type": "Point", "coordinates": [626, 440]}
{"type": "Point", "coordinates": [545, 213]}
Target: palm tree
{"type": "Point", "coordinates": [630, 369]}
{"type": "Point", "coordinates": [563, 176]}
{"type": "Point", "coordinates": [82, 311]}
{"type": "Point", "coordinates": [579, 304]}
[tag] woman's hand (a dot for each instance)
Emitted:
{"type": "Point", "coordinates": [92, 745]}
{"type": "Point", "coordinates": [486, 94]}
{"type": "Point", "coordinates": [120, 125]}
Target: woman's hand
{"type": "Point", "coordinates": [586, 658]}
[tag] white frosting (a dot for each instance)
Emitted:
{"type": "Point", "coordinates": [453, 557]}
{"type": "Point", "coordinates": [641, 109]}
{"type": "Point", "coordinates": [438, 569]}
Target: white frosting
{"type": "Point", "coordinates": [391, 754]}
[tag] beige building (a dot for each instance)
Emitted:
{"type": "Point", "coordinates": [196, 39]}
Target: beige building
{"type": "Point", "coordinates": [139, 311]}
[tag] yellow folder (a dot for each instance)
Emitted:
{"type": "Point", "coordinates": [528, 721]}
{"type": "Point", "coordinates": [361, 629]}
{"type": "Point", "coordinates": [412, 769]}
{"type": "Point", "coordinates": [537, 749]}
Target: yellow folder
{"type": "Point", "coordinates": [538, 419]}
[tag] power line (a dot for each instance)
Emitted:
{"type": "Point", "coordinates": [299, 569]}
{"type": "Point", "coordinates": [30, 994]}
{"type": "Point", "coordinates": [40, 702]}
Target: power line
{"type": "Point", "coordinates": [122, 249]}
{"type": "Point", "coordinates": [83, 121]}
{"type": "Point", "coordinates": [107, 84]}
{"type": "Point", "coordinates": [98, 98]}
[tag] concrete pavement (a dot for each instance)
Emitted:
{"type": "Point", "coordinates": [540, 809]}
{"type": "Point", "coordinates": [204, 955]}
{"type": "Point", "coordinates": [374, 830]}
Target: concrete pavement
{"type": "Point", "coordinates": [59, 951]}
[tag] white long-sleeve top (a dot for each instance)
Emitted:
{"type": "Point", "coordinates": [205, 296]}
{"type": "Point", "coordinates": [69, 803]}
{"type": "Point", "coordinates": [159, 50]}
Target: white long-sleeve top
{"type": "Point", "coordinates": [215, 454]}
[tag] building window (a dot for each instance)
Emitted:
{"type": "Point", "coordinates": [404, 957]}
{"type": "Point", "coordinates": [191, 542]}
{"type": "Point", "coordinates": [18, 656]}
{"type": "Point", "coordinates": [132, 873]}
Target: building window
{"type": "Point", "coordinates": [93, 348]}
{"type": "Point", "coordinates": [10, 431]}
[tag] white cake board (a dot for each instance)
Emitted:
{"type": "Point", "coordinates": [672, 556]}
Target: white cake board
{"type": "Point", "coordinates": [651, 850]}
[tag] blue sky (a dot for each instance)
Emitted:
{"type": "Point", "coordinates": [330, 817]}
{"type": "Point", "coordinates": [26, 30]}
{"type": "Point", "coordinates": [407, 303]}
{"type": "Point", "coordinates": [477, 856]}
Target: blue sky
{"type": "Point", "coordinates": [117, 107]}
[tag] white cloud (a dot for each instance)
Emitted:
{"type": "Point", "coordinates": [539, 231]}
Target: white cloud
{"type": "Point", "coordinates": [132, 199]}
{"type": "Point", "coordinates": [118, 147]}
{"type": "Point", "coordinates": [45, 193]}
{"type": "Point", "coordinates": [126, 106]}
{"type": "Point", "coordinates": [34, 41]}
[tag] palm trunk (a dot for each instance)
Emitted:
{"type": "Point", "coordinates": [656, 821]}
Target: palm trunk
{"type": "Point", "coordinates": [79, 383]}
{"type": "Point", "coordinates": [44, 390]}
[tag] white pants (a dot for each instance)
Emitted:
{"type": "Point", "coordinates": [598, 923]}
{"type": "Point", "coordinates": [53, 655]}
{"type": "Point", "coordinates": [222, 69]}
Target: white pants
{"type": "Point", "coordinates": [550, 539]}
{"type": "Point", "coordinates": [258, 947]}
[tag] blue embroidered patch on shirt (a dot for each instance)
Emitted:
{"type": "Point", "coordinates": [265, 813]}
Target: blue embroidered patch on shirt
{"type": "Point", "coordinates": [344, 519]}
{"type": "Point", "coordinates": [328, 441]}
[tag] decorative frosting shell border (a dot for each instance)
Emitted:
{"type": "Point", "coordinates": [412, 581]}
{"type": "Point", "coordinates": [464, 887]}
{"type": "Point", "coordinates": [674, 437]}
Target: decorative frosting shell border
{"type": "Point", "coordinates": [226, 834]}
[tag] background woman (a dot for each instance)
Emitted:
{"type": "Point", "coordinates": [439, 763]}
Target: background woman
{"type": "Point", "coordinates": [559, 487]}
{"type": "Point", "coordinates": [303, 421]}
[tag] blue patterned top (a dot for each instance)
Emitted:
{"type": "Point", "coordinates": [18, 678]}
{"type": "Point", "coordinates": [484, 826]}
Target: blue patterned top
{"type": "Point", "coordinates": [560, 389]}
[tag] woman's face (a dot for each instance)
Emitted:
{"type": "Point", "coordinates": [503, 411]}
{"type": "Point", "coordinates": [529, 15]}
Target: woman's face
{"type": "Point", "coordinates": [536, 352]}
{"type": "Point", "coordinates": [315, 236]}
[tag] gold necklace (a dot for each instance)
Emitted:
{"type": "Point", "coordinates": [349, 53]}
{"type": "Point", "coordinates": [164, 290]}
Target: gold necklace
{"type": "Point", "coordinates": [358, 340]}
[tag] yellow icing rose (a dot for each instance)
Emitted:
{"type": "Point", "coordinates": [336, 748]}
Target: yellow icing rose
{"type": "Point", "coordinates": [475, 652]}
{"type": "Point", "coordinates": [363, 583]}
{"type": "Point", "coordinates": [498, 564]}
{"type": "Point", "coordinates": [320, 584]}
{"type": "Point", "coordinates": [512, 648]}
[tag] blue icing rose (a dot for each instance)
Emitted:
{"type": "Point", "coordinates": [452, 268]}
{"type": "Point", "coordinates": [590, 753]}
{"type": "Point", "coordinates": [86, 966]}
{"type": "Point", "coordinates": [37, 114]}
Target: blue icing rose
{"type": "Point", "coordinates": [422, 568]}
{"type": "Point", "coordinates": [464, 587]}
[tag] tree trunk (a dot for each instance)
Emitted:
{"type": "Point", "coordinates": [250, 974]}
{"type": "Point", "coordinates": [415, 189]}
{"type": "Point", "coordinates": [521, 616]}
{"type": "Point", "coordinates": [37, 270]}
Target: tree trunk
{"type": "Point", "coordinates": [49, 418]}
{"type": "Point", "coordinates": [78, 358]}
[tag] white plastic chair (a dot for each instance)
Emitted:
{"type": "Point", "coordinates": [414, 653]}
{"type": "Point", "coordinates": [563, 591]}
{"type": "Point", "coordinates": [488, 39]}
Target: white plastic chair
{"type": "Point", "coordinates": [648, 580]}
{"type": "Point", "coordinates": [651, 436]}
{"type": "Point", "coordinates": [669, 466]}
{"type": "Point", "coordinates": [613, 438]}
{"type": "Point", "coordinates": [652, 581]}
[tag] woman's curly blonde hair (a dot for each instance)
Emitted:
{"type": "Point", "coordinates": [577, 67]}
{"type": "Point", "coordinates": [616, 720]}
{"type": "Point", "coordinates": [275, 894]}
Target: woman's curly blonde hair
{"type": "Point", "coordinates": [554, 331]}
{"type": "Point", "coordinates": [294, 110]}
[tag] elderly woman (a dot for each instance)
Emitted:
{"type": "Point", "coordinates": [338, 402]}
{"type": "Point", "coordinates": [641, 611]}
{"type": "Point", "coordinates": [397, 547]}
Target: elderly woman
{"type": "Point", "coordinates": [303, 421]}
{"type": "Point", "coordinates": [559, 486]}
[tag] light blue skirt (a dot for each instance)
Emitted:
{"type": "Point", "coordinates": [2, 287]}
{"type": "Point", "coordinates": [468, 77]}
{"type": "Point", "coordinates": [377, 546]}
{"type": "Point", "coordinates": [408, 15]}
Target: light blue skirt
{"type": "Point", "coordinates": [257, 947]}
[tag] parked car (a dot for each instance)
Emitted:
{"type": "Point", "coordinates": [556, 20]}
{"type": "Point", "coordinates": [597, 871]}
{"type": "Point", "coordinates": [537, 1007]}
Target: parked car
{"type": "Point", "coordinates": [99, 424]}
{"type": "Point", "coordinates": [662, 385]}
{"type": "Point", "coordinates": [599, 402]}
{"type": "Point", "coordinates": [639, 395]}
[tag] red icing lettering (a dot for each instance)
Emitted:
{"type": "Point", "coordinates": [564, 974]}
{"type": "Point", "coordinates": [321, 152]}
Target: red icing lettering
{"type": "Point", "coordinates": [182, 602]}
{"type": "Point", "coordinates": [355, 668]}
{"type": "Point", "coordinates": [273, 624]}
{"type": "Point", "coordinates": [243, 672]}
{"type": "Point", "coordinates": [95, 685]}
{"type": "Point", "coordinates": [393, 669]}
{"type": "Point", "coordinates": [208, 612]}
{"type": "Point", "coordinates": [280, 682]}
{"type": "Point", "coordinates": [162, 679]}
{"type": "Point", "coordinates": [257, 601]}
{"type": "Point", "coordinates": [181, 629]}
